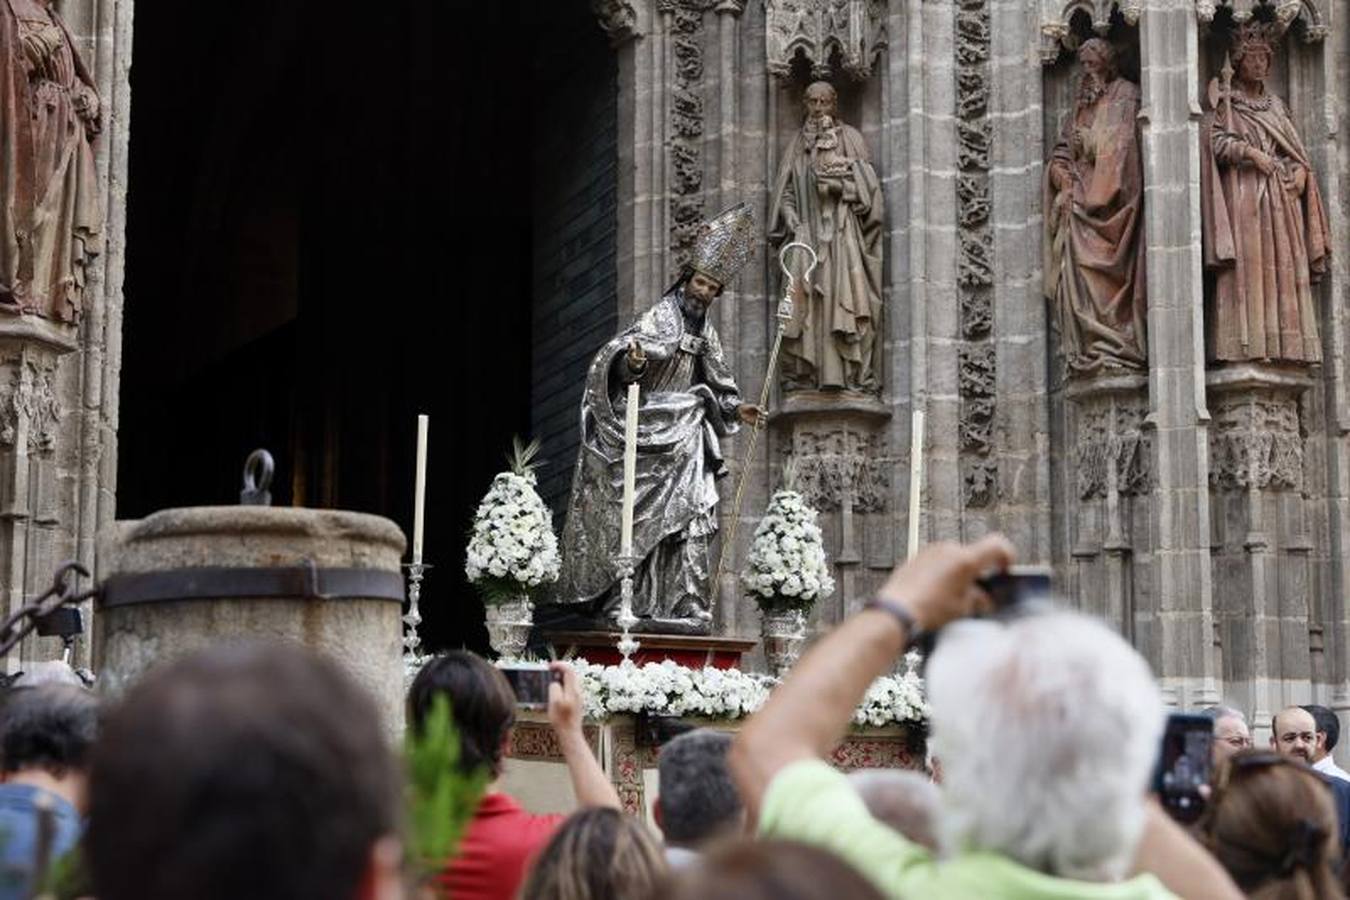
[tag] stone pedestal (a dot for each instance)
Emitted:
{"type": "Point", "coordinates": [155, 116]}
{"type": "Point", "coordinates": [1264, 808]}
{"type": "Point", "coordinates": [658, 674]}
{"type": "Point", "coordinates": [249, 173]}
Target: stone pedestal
{"type": "Point", "coordinates": [31, 485]}
{"type": "Point", "coordinates": [1261, 537]}
{"type": "Point", "coordinates": [184, 579]}
{"type": "Point", "coordinates": [1109, 475]}
{"type": "Point", "coordinates": [836, 443]}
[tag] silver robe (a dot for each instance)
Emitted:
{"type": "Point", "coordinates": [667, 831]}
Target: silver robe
{"type": "Point", "coordinates": [688, 399]}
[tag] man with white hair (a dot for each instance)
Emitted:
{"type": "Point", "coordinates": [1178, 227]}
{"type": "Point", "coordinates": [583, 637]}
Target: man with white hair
{"type": "Point", "coordinates": [1231, 733]}
{"type": "Point", "coordinates": [1054, 808]}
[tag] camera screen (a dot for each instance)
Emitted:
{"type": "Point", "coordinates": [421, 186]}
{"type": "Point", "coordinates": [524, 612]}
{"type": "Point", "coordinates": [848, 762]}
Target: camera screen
{"type": "Point", "coordinates": [1018, 587]}
{"type": "Point", "coordinates": [1184, 766]}
{"type": "Point", "coordinates": [530, 684]}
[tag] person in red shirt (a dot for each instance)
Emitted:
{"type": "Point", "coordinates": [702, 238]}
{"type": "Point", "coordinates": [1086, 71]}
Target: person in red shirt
{"type": "Point", "coordinates": [496, 850]}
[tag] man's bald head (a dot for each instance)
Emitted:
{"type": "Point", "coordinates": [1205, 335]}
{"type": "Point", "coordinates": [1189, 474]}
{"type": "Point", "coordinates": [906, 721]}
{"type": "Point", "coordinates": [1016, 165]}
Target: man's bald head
{"type": "Point", "coordinates": [1293, 732]}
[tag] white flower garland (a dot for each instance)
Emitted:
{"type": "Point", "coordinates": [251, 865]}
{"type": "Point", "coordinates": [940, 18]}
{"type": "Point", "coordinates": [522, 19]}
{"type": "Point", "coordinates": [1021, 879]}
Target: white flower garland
{"type": "Point", "coordinates": [513, 539]}
{"type": "Point", "coordinates": [787, 556]}
{"type": "Point", "coordinates": [669, 689]}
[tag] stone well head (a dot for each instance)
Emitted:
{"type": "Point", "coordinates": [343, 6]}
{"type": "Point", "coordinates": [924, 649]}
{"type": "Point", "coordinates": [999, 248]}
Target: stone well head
{"type": "Point", "coordinates": [181, 580]}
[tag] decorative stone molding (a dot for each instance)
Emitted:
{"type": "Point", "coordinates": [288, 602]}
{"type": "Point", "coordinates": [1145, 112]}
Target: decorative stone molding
{"type": "Point", "coordinates": [977, 381]}
{"type": "Point", "coordinates": [1256, 442]}
{"type": "Point", "coordinates": [979, 482]}
{"type": "Point", "coordinates": [974, 268]}
{"type": "Point", "coordinates": [30, 401]}
{"type": "Point", "coordinates": [28, 398]}
{"type": "Point", "coordinates": [974, 265]}
{"type": "Point", "coordinates": [1112, 438]}
{"type": "Point", "coordinates": [1256, 435]}
{"type": "Point", "coordinates": [1312, 14]}
{"type": "Point", "coordinates": [972, 144]}
{"type": "Point", "coordinates": [817, 29]}
{"type": "Point", "coordinates": [834, 466]}
{"type": "Point", "coordinates": [617, 18]}
{"type": "Point", "coordinates": [686, 123]}
{"type": "Point", "coordinates": [972, 200]}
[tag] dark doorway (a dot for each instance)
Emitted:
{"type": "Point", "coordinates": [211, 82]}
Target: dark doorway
{"type": "Point", "coordinates": [332, 227]}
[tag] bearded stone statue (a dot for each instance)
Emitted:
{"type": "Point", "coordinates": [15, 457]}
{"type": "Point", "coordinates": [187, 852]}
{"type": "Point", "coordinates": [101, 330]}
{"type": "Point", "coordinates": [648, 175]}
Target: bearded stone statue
{"type": "Point", "coordinates": [1094, 222]}
{"type": "Point", "coordinates": [828, 195]}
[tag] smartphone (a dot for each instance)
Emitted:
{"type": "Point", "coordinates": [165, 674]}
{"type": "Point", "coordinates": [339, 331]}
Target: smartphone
{"type": "Point", "coordinates": [63, 622]}
{"type": "Point", "coordinates": [530, 683]}
{"type": "Point", "coordinates": [1017, 587]}
{"type": "Point", "coordinates": [1184, 765]}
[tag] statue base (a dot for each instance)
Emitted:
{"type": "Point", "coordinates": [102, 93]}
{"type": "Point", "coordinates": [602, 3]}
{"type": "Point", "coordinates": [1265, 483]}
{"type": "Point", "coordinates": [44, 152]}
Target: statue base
{"type": "Point", "coordinates": [692, 650]}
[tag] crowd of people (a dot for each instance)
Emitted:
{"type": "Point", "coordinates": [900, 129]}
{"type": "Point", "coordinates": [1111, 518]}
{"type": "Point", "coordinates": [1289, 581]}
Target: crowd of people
{"type": "Point", "coordinates": [259, 771]}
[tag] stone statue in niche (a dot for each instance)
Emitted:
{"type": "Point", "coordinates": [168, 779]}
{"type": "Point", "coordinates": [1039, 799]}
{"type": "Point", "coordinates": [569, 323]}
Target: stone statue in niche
{"type": "Point", "coordinates": [1266, 235]}
{"type": "Point", "coordinates": [1094, 222]}
{"type": "Point", "coordinates": [50, 213]}
{"type": "Point", "coordinates": [828, 195]}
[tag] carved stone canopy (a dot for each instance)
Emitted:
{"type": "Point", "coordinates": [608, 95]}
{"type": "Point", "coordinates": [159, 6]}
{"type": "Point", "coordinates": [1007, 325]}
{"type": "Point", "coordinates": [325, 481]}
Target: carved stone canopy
{"type": "Point", "coordinates": [1311, 13]}
{"type": "Point", "coordinates": [817, 29]}
{"type": "Point", "coordinates": [1057, 15]}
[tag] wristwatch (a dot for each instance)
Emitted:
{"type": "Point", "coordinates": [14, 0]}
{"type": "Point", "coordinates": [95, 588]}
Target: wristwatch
{"type": "Point", "coordinates": [896, 609]}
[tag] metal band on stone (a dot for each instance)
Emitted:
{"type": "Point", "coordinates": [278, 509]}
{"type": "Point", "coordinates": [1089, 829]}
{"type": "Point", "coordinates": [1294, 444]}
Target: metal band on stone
{"type": "Point", "coordinates": [218, 583]}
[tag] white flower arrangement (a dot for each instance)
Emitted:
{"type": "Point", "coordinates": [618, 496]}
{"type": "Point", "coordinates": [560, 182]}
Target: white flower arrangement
{"type": "Point", "coordinates": [669, 689]}
{"type": "Point", "coordinates": [512, 548]}
{"type": "Point", "coordinates": [786, 567]}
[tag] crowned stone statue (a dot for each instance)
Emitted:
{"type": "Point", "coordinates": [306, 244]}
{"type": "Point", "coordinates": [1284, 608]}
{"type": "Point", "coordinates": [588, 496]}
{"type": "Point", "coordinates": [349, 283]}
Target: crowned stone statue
{"type": "Point", "coordinates": [1267, 238]}
{"type": "Point", "coordinates": [689, 401]}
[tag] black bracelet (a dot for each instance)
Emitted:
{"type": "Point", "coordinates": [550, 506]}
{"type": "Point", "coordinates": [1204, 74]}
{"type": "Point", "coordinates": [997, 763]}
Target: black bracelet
{"type": "Point", "coordinates": [913, 630]}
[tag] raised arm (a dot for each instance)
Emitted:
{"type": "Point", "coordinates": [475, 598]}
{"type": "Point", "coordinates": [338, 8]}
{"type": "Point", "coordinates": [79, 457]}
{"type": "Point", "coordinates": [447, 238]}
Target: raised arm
{"type": "Point", "coordinates": [808, 714]}
{"type": "Point", "coordinates": [589, 782]}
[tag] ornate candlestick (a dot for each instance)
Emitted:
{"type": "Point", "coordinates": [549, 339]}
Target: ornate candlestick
{"type": "Point", "coordinates": [627, 646]}
{"type": "Point", "coordinates": [412, 618]}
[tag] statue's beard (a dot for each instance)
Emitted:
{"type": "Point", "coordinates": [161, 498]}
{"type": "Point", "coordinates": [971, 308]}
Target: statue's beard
{"type": "Point", "coordinates": [815, 121]}
{"type": "Point", "coordinates": [1091, 89]}
{"type": "Point", "coordinates": [693, 306]}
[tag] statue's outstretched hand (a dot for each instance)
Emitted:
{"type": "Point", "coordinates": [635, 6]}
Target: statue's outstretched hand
{"type": "Point", "coordinates": [751, 414]}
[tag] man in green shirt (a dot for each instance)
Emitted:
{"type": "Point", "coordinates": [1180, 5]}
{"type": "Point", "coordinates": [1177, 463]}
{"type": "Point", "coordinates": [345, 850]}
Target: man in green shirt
{"type": "Point", "coordinates": [1046, 726]}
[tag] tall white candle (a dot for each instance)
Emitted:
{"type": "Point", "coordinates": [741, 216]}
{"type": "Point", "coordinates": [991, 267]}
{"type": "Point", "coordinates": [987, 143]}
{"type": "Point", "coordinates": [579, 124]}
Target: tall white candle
{"type": "Point", "coordinates": [420, 497]}
{"type": "Point", "coordinates": [915, 480]}
{"type": "Point", "coordinates": [629, 470]}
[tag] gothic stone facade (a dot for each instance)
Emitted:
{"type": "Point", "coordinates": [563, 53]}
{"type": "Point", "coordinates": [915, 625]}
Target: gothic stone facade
{"type": "Point", "coordinates": [1199, 508]}
{"type": "Point", "coordinates": [1203, 509]}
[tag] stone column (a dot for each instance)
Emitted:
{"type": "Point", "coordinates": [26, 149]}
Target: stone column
{"type": "Point", "coordinates": [1011, 202]}
{"type": "Point", "coordinates": [1261, 536]}
{"type": "Point", "coordinates": [1110, 473]}
{"type": "Point", "coordinates": [34, 522]}
{"type": "Point", "coordinates": [1183, 631]}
